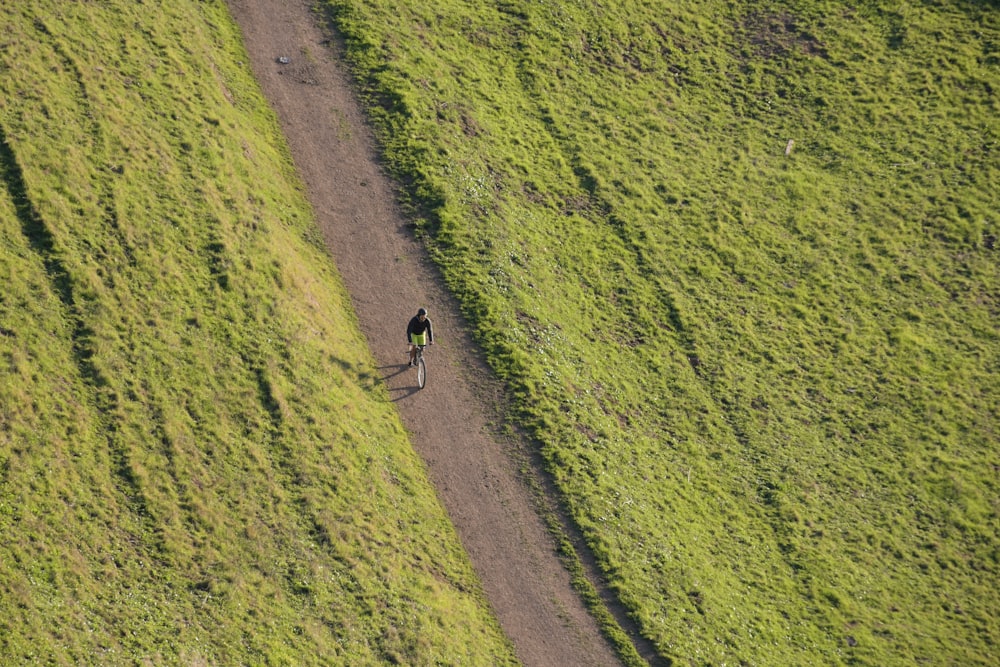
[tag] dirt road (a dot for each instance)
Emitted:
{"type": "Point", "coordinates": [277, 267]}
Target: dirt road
{"type": "Point", "coordinates": [388, 276]}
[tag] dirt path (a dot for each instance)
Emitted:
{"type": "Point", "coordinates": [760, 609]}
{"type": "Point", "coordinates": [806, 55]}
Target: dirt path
{"type": "Point", "coordinates": [388, 276]}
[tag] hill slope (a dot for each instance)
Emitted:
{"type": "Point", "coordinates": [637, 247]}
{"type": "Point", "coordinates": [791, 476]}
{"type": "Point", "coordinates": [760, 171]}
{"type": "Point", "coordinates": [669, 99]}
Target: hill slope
{"type": "Point", "coordinates": [738, 265]}
{"type": "Point", "coordinates": [197, 462]}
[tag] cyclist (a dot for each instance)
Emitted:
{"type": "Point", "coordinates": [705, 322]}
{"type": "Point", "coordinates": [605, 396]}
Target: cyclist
{"type": "Point", "coordinates": [418, 332]}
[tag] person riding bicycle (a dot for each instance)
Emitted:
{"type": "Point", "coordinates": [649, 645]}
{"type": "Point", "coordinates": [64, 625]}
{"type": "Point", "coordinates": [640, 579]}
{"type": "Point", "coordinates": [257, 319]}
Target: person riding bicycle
{"type": "Point", "coordinates": [419, 332]}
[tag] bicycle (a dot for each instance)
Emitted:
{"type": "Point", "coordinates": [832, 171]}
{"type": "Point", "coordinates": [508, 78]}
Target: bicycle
{"type": "Point", "coordinates": [421, 367]}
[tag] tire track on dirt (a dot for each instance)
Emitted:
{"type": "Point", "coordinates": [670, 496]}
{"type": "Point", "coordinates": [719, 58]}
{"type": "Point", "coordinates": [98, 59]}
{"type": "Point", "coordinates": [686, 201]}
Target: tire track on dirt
{"type": "Point", "coordinates": [388, 276]}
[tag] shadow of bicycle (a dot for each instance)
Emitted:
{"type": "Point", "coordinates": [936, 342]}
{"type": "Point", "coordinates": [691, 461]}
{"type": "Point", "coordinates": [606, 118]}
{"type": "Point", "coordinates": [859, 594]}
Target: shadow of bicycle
{"type": "Point", "coordinates": [397, 392]}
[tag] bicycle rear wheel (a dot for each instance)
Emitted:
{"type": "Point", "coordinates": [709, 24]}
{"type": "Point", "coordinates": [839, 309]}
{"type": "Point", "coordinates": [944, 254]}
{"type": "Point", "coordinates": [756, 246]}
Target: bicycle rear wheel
{"type": "Point", "coordinates": [421, 372]}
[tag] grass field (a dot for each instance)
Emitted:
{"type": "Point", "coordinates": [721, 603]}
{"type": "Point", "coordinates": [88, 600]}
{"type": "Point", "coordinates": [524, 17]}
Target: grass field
{"type": "Point", "coordinates": [737, 263]}
{"type": "Point", "coordinates": [198, 464]}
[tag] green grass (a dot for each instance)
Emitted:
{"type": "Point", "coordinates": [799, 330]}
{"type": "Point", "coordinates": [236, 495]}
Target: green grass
{"type": "Point", "coordinates": [198, 464]}
{"type": "Point", "coordinates": [765, 376]}
{"type": "Point", "coordinates": [766, 384]}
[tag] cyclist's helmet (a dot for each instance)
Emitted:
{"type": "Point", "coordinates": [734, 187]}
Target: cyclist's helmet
{"type": "Point", "coordinates": [422, 311]}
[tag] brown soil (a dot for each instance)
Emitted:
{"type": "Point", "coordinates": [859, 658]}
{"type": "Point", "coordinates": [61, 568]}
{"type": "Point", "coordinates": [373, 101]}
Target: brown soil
{"type": "Point", "coordinates": [388, 275]}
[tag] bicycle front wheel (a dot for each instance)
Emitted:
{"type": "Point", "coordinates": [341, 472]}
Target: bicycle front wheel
{"type": "Point", "coordinates": [421, 372]}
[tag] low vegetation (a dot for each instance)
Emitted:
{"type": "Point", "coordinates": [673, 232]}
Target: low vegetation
{"type": "Point", "coordinates": [198, 464]}
{"type": "Point", "coordinates": [737, 263]}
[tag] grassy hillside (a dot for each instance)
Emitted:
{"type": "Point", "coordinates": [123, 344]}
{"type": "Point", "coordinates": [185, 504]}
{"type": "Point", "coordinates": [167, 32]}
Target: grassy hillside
{"type": "Point", "coordinates": [738, 263]}
{"type": "Point", "coordinates": [197, 464]}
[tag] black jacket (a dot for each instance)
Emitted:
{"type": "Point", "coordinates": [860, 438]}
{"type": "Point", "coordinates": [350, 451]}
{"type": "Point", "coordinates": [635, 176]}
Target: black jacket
{"type": "Point", "coordinates": [417, 327]}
